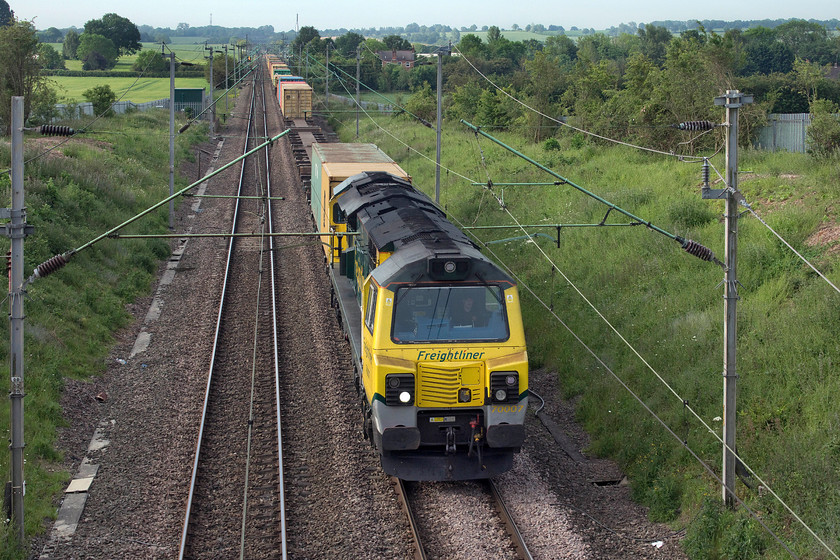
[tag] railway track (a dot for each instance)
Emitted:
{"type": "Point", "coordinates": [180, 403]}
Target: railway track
{"type": "Point", "coordinates": [425, 534]}
{"type": "Point", "coordinates": [236, 493]}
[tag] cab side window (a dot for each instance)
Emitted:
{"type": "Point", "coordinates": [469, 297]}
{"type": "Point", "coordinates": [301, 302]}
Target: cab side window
{"type": "Point", "coordinates": [370, 312]}
{"type": "Point", "coordinates": [339, 217]}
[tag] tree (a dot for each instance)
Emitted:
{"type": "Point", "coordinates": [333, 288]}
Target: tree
{"type": "Point", "coordinates": [654, 42]}
{"type": "Point", "coordinates": [808, 76]}
{"type": "Point", "coordinates": [561, 48]}
{"type": "Point", "coordinates": [71, 45]}
{"type": "Point", "coordinates": [306, 34]}
{"type": "Point", "coordinates": [347, 43]}
{"type": "Point", "coordinates": [95, 61]}
{"type": "Point", "coordinates": [121, 31]}
{"type": "Point", "coordinates": [48, 57]}
{"type": "Point", "coordinates": [151, 61]}
{"type": "Point", "coordinates": [7, 16]}
{"type": "Point", "coordinates": [544, 89]}
{"type": "Point", "coordinates": [493, 34]}
{"type": "Point", "coordinates": [396, 43]}
{"type": "Point", "coordinates": [464, 102]}
{"type": "Point", "coordinates": [471, 45]}
{"type": "Point", "coordinates": [422, 103]}
{"type": "Point", "coordinates": [102, 98]}
{"type": "Point", "coordinates": [20, 70]}
{"type": "Point", "coordinates": [764, 53]}
{"type": "Point", "coordinates": [218, 69]}
{"type": "Point", "coordinates": [51, 35]}
{"type": "Point", "coordinates": [90, 43]}
{"type": "Point", "coordinates": [806, 40]}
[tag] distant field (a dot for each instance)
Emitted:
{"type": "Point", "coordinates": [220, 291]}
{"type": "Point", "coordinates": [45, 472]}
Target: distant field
{"type": "Point", "coordinates": [187, 40]}
{"type": "Point", "coordinates": [185, 50]}
{"type": "Point", "coordinates": [146, 89]}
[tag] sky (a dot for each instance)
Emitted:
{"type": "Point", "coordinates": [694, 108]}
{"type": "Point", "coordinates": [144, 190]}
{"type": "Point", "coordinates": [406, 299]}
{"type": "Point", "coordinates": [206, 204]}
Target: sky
{"type": "Point", "coordinates": [335, 14]}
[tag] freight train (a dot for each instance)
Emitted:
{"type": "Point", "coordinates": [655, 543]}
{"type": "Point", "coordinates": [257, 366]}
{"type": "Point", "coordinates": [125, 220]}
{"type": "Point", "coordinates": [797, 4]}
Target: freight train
{"type": "Point", "coordinates": [435, 327]}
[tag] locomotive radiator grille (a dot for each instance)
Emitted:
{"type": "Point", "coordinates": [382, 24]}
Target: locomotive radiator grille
{"type": "Point", "coordinates": [439, 386]}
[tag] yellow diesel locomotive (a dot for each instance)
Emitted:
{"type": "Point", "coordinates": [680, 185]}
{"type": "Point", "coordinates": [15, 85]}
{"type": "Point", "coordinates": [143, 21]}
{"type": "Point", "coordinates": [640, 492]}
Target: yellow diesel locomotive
{"type": "Point", "coordinates": [435, 328]}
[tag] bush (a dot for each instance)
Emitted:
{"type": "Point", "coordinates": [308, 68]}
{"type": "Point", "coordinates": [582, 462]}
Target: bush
{"type": "Point", "coordinates": [824, 132]}
{"type": "Point", "coordinates": [150, 61]}
{"type": "Point", "coordinates": [94, 61]}
{"type": "Point", "coordinates": [102, 98]}
{"type": "Point", "coordinates": [49, 57]}
{"type": "Point", "coordinates": [422, 104]}
{"type": "Point", "coordinates": [551, 144]}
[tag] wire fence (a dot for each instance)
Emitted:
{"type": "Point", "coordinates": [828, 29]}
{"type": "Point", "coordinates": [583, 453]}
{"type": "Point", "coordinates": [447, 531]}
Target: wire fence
{"type": "Point", "coordinates": [78, 110]}
{"type": "Point", "coordinates": [367, 105]}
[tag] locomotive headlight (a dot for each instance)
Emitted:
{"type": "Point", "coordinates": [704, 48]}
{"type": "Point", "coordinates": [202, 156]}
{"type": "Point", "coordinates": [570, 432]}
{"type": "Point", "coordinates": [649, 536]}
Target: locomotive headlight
{"type": "Point", "coordinates": [504, 386]}
{"type": "Point", "coordinates": [399, 389]}
{"type": "Point", "coordinates": [449, 267]}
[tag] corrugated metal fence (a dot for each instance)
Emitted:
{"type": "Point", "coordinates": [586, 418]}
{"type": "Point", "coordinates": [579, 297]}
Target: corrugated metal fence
{"type": "Point", "coordinates": [77, 110]}
{"type": "Point", "coordinates": [784, 132]}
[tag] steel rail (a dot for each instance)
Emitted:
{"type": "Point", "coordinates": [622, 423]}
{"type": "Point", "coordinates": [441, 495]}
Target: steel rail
{"type": "Point", "coordinates": [507, 519]}
{"type": "Point", "coordinates": [185, 531]}
{"type": "Point", "coordinates": [402, 496]}
{"type": "Point", "coordinates": [274, 321]}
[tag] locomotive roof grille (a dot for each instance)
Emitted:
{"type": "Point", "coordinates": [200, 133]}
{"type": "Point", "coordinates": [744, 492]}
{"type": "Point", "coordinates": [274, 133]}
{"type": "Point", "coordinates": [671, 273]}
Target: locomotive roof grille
{"type": "Point", "coordinates": [404, 221]}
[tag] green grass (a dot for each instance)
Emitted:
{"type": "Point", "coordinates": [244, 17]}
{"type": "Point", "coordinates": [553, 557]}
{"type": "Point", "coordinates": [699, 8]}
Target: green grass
{"type": "Point", "coordinates": [668, 305]}
{"type": "Point", "coordinates": [71, 88]}
{"type": "Point", "coordinates": [72, 315]}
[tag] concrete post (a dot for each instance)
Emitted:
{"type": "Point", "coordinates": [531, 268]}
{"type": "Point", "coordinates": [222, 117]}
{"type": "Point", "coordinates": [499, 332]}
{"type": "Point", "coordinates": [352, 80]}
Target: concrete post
{"type": "Point", "coordinates": [16, 231]}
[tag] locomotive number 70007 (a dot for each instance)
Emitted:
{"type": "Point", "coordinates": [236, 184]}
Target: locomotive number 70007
{"type": "Point", "coordinates": [506, 408]}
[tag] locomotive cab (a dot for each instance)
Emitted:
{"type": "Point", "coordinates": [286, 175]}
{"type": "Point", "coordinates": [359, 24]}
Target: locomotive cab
{"type": "Point", "coordinates": [445, 371]}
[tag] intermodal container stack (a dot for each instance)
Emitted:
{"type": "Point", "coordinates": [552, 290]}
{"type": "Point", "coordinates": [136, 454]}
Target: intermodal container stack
{"type": "Point", "coordinates": [295, 97]}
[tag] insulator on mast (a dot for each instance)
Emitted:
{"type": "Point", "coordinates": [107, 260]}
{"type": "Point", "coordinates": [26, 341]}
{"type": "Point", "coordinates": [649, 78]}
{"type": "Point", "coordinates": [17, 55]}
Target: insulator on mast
{"type": "Point", "coordinates": [56, 130]}
{"type": "Point", "coordinates": [697, 250]}
{"type": "Point", "coordinates": [705, 173]}
{"type": "Point", "coordinates": [48, 267]}
{"type": "Point", "coordinates": [696, 125]}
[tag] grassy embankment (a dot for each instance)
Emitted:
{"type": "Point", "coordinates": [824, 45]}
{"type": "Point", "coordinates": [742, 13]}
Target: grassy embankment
{"type": "Point", "coordinates": [669, 305]}
{"type": "Point", "coordinates": [82, 189]}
